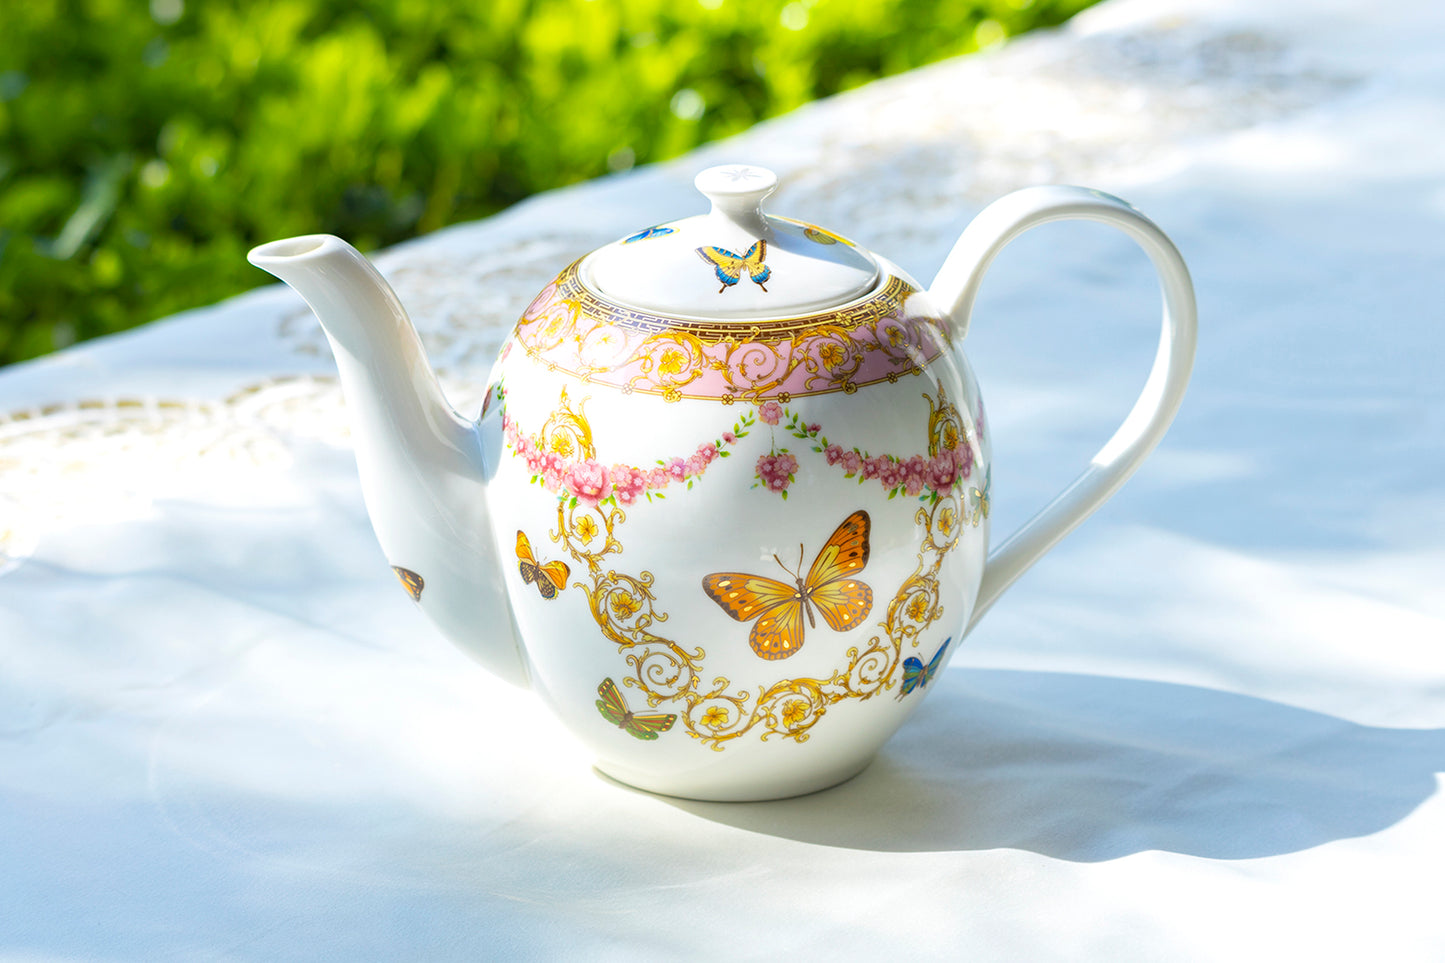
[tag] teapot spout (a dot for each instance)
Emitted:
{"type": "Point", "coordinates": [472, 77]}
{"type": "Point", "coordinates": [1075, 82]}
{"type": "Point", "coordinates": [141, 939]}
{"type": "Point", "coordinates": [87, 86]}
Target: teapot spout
{"type": "Point", "coordinates": [423, 467]}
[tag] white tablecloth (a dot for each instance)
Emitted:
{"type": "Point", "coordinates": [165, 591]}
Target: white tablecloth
{"type": "Point", "coordinates": [1209, 726]}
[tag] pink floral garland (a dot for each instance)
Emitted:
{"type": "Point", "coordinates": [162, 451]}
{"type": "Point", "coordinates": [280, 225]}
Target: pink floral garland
{"type": "Point", "coordinates": [899, 476]}
{"type": "Point", "coordinates": [592, 483]}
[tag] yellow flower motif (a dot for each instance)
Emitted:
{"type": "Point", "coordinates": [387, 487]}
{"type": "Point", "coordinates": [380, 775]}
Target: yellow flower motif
{"type": "Point", "coordinates": [726, 399]}
{"type": "Point", "coordinates": [561, 445]}
{"type": "Point", "coordinates": [671, 393]}
{"type": "Point", "coordinates": [794, 712]}
{"type": "Point", "coordinates": [586, 528]}
{"type": "Point", "coordinates": [624, 604]}
{"type": "Point", "coordinates": [715, 717]}
{"type": "Point", "coordinates": [946, 519]}
{"type": "Point", "coordinates": [950, 436]}
{"type": "Point", "coordinates": [832, 354]}
{"type": "Point", "coordinates": [918, 608]}
{"type": "Point", "coordinates": [672, 361]}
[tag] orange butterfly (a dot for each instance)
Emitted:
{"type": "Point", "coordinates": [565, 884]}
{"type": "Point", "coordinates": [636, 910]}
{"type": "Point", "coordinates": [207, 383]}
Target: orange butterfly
{"type": "Point", "coordinates": [413, 582]}
{"type": "Point", "coordinates": [831, 586]}
{"type": "Point", "coordinates": [551, 578]}
{"type": "Point", "coordinates": [638, 725]}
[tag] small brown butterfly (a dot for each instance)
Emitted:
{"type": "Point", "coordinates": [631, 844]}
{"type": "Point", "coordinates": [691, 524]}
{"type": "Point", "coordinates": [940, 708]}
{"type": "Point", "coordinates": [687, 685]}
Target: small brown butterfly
{"type": "Point", "coordinates": [413, 582]}
{"type": "Point", "coordinates": [550, 578]}
{"type": "Point", "coordinates": [831, 586]}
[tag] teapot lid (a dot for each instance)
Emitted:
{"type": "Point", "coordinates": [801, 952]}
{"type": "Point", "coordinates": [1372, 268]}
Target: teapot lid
{"type": "Point", "coordinates": [733, 262]}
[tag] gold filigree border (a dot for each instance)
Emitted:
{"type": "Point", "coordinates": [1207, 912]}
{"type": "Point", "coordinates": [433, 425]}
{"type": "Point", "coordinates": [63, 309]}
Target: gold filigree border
{"type": "Point", "coordinates": [665, 671]}
{"type": "Point", "coordinates": [567, 328]}
{"type": "Point", "coordinates": [626, 611]}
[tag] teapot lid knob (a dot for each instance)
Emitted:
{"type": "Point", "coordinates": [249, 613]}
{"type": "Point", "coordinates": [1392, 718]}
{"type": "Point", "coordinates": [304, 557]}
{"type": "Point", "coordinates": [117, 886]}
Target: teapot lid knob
{"type": "Point", "coordinates": [733, 263]}
{"type": "Point", "coordinates": [737, 192]}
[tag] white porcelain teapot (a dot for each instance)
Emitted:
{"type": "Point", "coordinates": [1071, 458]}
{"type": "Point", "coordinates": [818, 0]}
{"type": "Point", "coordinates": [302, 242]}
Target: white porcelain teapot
{"type": "Point", "coordinates": [726, 505]}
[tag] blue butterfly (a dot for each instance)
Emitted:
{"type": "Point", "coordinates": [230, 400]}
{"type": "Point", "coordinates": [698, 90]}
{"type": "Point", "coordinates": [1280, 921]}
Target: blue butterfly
{"type": "Point", "coordinates": [916, 675]}
{"type": "Point", "coordinates": [730, 266]}
{"type": "Point", "coordinates": [647, 232]}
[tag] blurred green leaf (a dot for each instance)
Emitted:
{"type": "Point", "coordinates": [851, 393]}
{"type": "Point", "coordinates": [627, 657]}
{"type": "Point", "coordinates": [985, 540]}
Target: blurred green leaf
{"type": "Point", "coordinates": [144, 147]}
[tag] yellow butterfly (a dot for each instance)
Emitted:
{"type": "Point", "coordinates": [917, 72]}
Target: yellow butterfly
{"type": "Point", "coordinates": [831, 587]}
{"type": "Point", "coordinates": [978, 498]}
{"type": "Point", "coordinates": [550, 578]}
{"type": "Point", "coordinates": [730, 267]}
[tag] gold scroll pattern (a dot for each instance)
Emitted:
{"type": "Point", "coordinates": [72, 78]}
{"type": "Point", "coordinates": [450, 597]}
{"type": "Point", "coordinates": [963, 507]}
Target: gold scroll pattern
{"type": "Point", "coordinates": [666, 671]}
{"type": "Point", "coordinates": [879, 338]}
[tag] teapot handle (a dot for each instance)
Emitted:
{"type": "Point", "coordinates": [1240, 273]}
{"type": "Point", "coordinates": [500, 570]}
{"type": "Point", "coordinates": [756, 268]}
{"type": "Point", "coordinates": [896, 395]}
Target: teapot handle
{"type": "Point", "coordinates": [956, 287]}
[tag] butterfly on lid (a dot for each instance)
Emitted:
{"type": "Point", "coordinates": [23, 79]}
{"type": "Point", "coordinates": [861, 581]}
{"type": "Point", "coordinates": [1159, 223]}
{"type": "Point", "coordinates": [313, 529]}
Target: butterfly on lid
{"type": "Point", "coordinates": [550, 578]}
{"type": "Point", "coordinates": [916, 675]}
{"type": "Point", "coordinates": [832, 587]}
{"type": "Point", "coordinates": [730, 267]}
{"type": "Point", "coordinates": [645, 233]}
{"type": "Point", "coordinates": [638, 725]}
{"type": "Point", "coordinates": [411, 581]}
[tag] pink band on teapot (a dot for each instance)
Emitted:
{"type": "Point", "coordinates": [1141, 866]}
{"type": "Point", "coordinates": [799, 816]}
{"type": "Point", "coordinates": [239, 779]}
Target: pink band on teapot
{"type": "Point", "coordinates": [872, 340]}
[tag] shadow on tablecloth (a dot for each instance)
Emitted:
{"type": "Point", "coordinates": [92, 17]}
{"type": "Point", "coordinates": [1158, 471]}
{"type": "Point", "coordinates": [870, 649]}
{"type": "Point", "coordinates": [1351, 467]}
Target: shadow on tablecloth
{"type": "Point", "coordinates": [1090, 768]}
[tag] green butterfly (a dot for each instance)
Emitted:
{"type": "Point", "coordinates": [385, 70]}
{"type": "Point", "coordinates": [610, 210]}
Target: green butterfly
{"type": "Point", "coordinates": [614, 709]}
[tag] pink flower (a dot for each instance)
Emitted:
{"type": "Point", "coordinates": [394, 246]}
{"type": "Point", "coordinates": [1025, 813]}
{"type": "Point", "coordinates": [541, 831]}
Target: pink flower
{"type": "Point", "coordinates": [588, 481]}
{"type": "Point", "coordinates": [942, 471]}
{"type": "Point", "coordinates": [729, 438]}
{"type": "Point", "coordinates": [658, 479]}
{"type": "Point", "coordinates": [771, 412]}
{"type": "Point", "coordinates": [776, 471]}
{"type": "Point", "coordinates": [677, 468]}
{"type": "Point", "coordinates": [890, 473]}
{"type": "Point", "coordinates": [707, 452]}
{"type": "Point", "coordinates": [852, 462]}
{"type": "Point", "coordinates": [553, 466]}
{"type": "Point", "coordinates": [834, 454]}
{"type": "Point", "coordinates": [814, 428]}
{"type": "Point", "coordinates": [963, 458]}
{"type": "Point", "coordinates": [628, 483]}
{"type": "Point", "coordinates": [873, 467]}
{"type": "Point", "coordinates": [913, 474]}
{"type": "Point", "coordinates": [696, 465]}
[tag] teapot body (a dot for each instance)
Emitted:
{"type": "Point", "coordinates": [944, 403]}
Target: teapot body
{"type": "Point", "coordinates": [736, 551]}
{"type": "Point", "coordinates": [726, 506]}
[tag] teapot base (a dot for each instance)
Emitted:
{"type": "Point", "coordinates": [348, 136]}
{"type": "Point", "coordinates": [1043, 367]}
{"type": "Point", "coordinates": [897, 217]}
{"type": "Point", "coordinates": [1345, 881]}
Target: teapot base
{"type": "Point", "coordinates": [706, 787]}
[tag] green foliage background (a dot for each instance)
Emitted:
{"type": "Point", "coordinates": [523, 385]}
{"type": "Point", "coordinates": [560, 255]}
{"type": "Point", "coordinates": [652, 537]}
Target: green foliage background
{"type": "Point", "coordinates": [144, 148]}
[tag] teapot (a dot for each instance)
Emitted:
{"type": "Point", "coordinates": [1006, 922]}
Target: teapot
{"type": "Point", "coordinates": [726, 504]}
